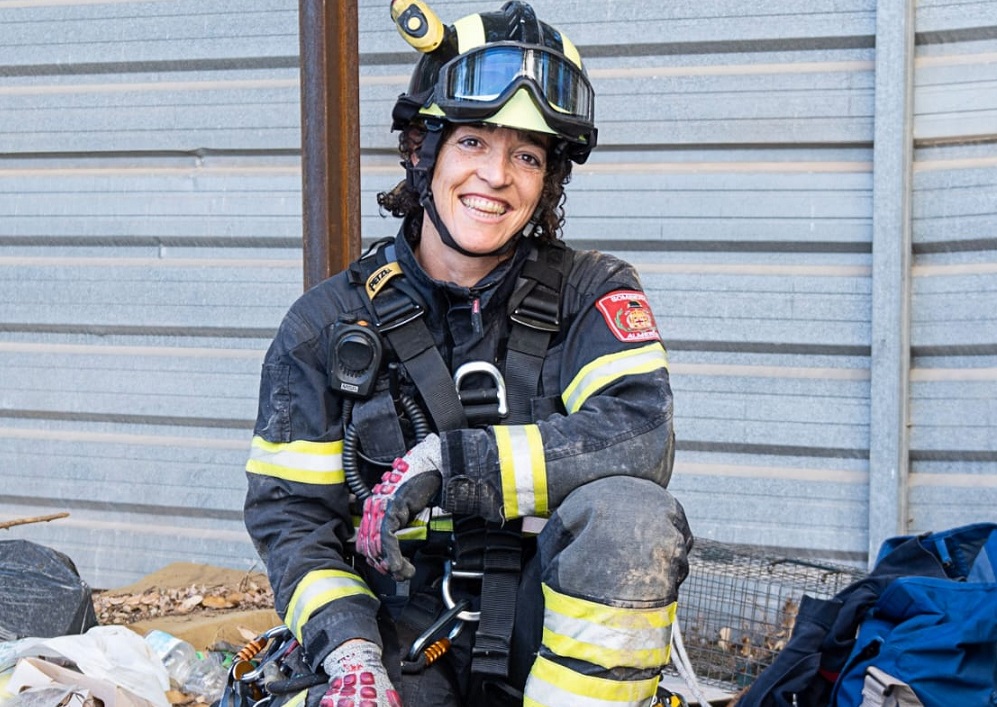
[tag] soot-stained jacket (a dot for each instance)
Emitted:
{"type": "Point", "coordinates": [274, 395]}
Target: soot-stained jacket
{"type": "Point", "coordinates": [604, 409]}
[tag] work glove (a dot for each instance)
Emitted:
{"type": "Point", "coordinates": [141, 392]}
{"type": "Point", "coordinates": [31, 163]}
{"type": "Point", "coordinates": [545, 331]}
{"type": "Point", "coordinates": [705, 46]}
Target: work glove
{"type": "Point", "coordinates": [410, 487]}
{"type": "Point", "coordinates": [357, 677]}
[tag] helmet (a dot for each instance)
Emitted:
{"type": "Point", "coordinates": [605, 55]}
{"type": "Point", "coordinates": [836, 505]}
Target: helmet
{"type": "Point", "coordinates": [505, 68]}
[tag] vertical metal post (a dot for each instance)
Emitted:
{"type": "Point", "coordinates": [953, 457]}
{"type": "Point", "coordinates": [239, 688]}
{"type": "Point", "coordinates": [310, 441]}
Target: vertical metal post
{"type": "Point", "coordinates": [889, 446]}
{"type": "Point", "coordinates": [330, 136]}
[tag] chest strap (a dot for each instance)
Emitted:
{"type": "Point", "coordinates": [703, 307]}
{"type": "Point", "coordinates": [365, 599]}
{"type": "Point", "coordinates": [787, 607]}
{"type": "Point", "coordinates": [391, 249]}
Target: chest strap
{"type": "Point", "coordinates": [535, 316]}
{"type": "Point", "coordinates": [399, 318]}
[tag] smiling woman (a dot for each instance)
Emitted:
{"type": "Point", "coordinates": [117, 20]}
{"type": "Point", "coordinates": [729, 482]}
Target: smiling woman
{"type": "Point", "coordinates": [511, 384]}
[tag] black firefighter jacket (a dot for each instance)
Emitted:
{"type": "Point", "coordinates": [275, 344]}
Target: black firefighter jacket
{"type": "Point", "coordinates": [605, 409]}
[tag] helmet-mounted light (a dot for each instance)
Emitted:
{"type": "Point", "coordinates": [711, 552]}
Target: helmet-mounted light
{"type": "Point", "coordinates": [419, 25]}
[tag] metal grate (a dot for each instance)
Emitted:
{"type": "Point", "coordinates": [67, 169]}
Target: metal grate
{"type": "Point", "coordinates": [739, 604]}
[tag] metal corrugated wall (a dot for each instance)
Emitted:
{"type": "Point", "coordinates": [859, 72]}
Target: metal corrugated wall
{"type": "Point", "coordinates": [751, 164]}
{"type": "Point", "coordinates": [150, 241]}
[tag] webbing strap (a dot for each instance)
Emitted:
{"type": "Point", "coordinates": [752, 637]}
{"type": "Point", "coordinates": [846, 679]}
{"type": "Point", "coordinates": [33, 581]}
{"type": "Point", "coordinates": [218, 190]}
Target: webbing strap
{"type": "Point", "coordinates": [415, 348]}
{"type": "Point", "coordinates": [399, 318]}
{"type": "Point", "coordinates": [496, 550]}
{"type": "Point", "coordinates": [535, 313]}
{"type": "Point", "coordinates": [523, 363]}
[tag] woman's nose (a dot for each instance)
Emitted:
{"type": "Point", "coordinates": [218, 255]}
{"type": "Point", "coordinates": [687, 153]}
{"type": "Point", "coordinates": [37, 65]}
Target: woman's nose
{"type": "Point", "coordinates": [494, 168]}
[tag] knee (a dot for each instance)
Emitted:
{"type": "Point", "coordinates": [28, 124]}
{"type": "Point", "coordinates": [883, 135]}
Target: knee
{"type": "Point", "coordinates": [628, 536]}
{"type": "Point", "coordinates": [625, 509]}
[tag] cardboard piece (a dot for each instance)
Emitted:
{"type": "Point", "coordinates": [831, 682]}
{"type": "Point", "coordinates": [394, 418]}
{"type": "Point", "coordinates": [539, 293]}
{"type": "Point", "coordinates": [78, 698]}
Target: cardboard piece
{"type": "Point", "coordinates": [31, 673]}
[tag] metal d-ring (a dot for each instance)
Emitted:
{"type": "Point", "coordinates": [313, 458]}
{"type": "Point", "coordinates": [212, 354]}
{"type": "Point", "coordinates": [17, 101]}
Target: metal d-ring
{"type": "Point", "coordinates": [489, 369]}
{"type": "Point", "coordinates": [448, 574]}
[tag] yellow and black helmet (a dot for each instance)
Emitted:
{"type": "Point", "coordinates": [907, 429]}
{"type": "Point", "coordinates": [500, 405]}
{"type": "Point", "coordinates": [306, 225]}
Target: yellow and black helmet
{"type": "Point", "coordinates": [505, 68]}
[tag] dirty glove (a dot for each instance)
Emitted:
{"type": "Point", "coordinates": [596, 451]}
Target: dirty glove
{"type": "Point", "coordinates": [410, 487]}
{"type": "Point", "coordinates": [357, 677]}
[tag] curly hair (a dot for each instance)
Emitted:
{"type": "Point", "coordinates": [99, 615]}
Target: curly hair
{"type": "Point", "coordinates": [402, 200]}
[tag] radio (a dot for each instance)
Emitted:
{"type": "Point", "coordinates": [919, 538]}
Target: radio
{"type": "Point", "coordinates": [355, 353]}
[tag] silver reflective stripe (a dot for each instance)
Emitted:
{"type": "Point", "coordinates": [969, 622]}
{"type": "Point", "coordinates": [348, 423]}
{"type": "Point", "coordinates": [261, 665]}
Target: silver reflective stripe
{"type": "Point", "coordinates": [523, 470]}
{"type": "Point", "coordinates": [607, 636]}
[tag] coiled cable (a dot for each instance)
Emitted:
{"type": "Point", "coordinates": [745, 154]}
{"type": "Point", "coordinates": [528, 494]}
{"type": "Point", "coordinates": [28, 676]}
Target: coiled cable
{"type": "Point", "coordinates": [351, 443]}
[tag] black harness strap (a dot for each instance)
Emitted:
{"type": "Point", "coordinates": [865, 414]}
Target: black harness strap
{"type": "Point", "coordinates": [535, 314]}
{"type": "Point", "coordinates": [399, 319]}
{"type": "Point", "coordinates": [534, 311]}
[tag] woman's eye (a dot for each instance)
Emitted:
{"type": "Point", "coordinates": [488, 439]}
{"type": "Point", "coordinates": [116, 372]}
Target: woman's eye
{"type": "Point", "coordinates": [531, 159]}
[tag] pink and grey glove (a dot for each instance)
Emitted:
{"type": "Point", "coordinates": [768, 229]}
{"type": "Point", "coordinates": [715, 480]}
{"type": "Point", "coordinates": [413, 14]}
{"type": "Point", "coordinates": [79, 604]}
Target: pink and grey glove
{"type": "Point", "coordinates": [410, 487]}
{"type": "Point", "coordinates": [357, 677]}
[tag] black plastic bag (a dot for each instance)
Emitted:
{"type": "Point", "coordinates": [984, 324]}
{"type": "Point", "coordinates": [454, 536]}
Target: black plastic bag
{"type": "Point", "coordinates": [41, 593]}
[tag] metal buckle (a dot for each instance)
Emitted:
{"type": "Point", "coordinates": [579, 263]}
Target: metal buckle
{"type": "Point", "coordinates": [488, 369]}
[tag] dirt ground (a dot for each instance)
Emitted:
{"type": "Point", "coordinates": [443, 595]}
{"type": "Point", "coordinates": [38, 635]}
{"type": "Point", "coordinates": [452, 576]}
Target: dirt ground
{"type": "Point", "coordinates": [202, 604]}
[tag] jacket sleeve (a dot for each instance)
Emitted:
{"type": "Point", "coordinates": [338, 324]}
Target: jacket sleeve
{"type": "Point", "coordinates": [297, 501]}
{"type": "Point", "coordinates": [611, 371]}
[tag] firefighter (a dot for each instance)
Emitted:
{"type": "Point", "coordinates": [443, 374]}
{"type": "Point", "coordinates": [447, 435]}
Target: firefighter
{"type": "Point", "coordinates": [459, 466]}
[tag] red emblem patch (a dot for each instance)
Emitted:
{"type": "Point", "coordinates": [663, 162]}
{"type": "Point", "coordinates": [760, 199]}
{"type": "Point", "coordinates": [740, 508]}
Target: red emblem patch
{"type": "Point", "coordinates": [629, 316]}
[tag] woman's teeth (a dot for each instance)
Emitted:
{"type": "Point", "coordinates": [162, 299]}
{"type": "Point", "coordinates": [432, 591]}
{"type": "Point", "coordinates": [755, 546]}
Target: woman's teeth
{"type": "Point", "coordinates": [486, 205]}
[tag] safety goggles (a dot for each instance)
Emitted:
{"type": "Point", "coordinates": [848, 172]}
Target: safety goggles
{"type": "Point", "coordinates": [476, 84]}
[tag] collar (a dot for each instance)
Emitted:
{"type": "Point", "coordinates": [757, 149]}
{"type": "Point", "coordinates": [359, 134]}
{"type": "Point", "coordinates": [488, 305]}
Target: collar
{"type": "Point", "coordinates": [497, 286]}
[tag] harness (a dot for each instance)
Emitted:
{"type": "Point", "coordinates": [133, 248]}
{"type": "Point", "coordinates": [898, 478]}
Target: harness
{"type": "Point", "coordinates": [490, 552]}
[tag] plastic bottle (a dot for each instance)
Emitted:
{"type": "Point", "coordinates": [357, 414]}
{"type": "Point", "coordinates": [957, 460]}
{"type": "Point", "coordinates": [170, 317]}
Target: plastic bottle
{"type": "Point", "coordinates": [189, 672]}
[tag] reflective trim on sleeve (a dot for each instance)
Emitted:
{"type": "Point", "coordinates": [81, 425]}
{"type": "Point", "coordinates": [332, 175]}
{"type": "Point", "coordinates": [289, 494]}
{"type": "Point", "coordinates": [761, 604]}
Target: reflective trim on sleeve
{"type": "Point", "coordinates": [608, 636]}
{"type": "Point", "coordinates": [523, 470]}
{"type": "Point", "coordinates": [304, 462]}
{"type": "Point", "coordinates": [609, 368]}
{"type": "Point", "coordinates": [298, 700]}
{"type": "Point", "coordinates": [553, 684]}
{"type": "Point", "coordinates": [418, 529]}
{"type": "Point", "coordinates": [319, 588]}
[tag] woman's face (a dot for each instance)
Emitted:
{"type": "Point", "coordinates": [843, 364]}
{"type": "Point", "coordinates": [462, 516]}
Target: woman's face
{"type": "Point", "coordinates": [487, 183]}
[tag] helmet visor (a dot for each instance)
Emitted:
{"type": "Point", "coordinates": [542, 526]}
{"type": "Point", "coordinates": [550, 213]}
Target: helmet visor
{"type": "Point", "coordinates": [475, 85]}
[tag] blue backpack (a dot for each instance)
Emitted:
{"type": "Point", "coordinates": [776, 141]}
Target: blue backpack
{"type": "Point", "coordinates": [926, 615]}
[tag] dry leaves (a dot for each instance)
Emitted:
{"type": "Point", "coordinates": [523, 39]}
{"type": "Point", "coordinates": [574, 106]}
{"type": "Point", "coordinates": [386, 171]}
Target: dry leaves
{"type": "Point", "coordinates": [124, 609]}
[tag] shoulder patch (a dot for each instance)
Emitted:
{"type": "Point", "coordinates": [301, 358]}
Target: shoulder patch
{"type": "Point", "coordinates": [629, 316]}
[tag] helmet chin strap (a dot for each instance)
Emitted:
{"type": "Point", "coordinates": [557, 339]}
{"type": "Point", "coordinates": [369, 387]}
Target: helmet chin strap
{"type": "Point", "coordinates": [420, 178]}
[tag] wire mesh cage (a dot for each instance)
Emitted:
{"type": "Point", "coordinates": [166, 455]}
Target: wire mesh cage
{"type": "Point", "coordinates": [738, 607]}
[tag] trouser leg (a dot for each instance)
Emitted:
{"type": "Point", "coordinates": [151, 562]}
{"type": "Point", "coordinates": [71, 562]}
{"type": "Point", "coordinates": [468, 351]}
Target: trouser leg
{"type": "Point", "coordinates": [611, 560]}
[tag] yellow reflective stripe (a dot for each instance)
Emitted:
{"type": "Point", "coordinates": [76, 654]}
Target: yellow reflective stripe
{"type": "Point", "coordinates": [412, 533]}
{"type": "Point", "coordinates": [611, 367]}
{"type": "Point", "coordinates": [523, 470]}
{"type": "Point", "coordinates": [304, 462]}
{"type": "Point", "coordinates": [442, 523]}
{"type": "Point", "coordinates": [607, 636]}
{"type": "Point", "coordinates": [417, 529]}
{"type": "Point", "coordinates": [470, 32]}
{"type": "Point", "coordinates": [318, 589]}
{"type": "Point", "coordinates": [553, 684]}
{"type": "Point", "coordinates": [571, 51]}
{"type": "Point", "coordinates": [298, 700]}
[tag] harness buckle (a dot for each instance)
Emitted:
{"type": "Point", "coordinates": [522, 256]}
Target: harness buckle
{"type": "Point", "coordinates": [536, 319]}
{"type": "Point", "coordinates": [496, 397]}
{"type": "Point", "coordinates": [399, 316]}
